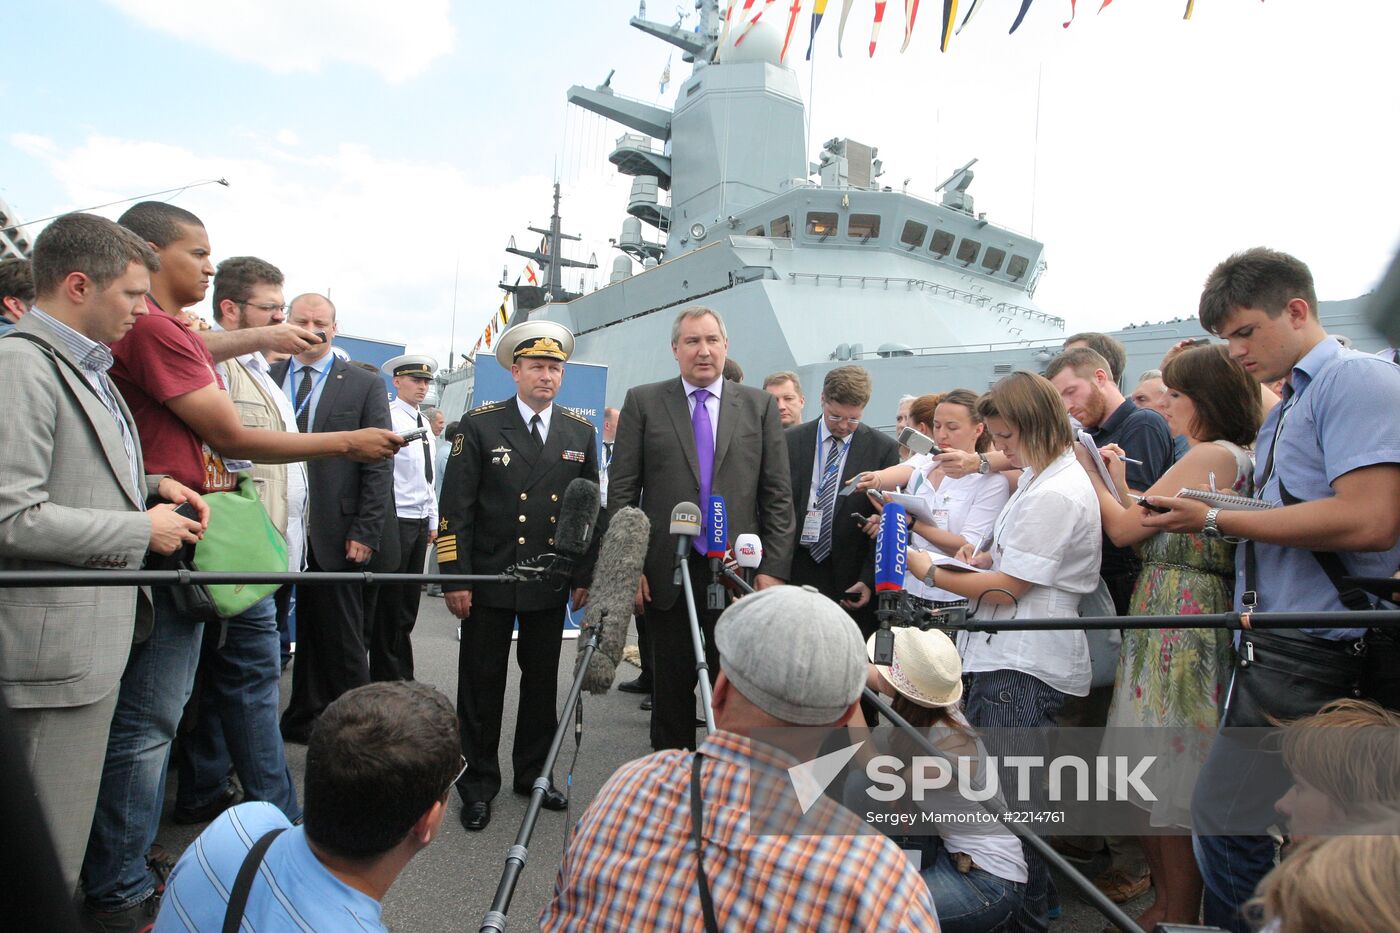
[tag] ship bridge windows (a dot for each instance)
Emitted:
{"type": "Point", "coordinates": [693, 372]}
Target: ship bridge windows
{"type": "Point", "coordinates": [913, 235]}
{"type": "Point", "coordinates": [941, 244]}
{"type": "Point", "coordinates": [968, 250]}
{"type": "Point", "coordinates": [992, 259]}
{"type": "Point", "coordinates": [821, 223]}
{"type": "Point", "coordinates": [781, 227]}
{"type": "Point", "coordinates": [1017, 268]}
{"type": "Point", "coordinates": [863, 227]}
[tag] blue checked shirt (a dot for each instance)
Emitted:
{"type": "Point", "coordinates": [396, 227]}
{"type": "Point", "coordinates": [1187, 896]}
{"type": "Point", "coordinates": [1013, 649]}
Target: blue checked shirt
{"type": "Point", "coordinates": [94, 359]}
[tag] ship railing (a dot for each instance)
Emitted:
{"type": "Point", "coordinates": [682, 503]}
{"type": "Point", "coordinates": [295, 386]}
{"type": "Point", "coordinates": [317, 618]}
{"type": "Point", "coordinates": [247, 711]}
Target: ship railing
{"type": "Point", "coordinates": [638, 141]}
{"type": "Point", "coordinates": [945, 349]}
{"type": "Point", "coordinates": [890, 283]}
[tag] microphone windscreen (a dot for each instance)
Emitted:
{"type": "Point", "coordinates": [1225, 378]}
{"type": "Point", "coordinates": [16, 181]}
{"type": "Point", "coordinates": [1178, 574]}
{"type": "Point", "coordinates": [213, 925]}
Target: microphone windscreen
{"type": "Point", "coordinates": [717, 540]}
{"type": "Point", "coordinates": [891, 548]}
{"type": "Point", "coordinates": [621, 555]}
{"type": "Point", "coordinates": [577, 515]}
{"type": "Point", "coordinates": [748, 551]}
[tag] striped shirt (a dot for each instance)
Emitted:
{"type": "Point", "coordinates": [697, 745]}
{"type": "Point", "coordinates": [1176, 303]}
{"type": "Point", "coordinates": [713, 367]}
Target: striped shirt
{"type": "Point", "coordinates": [94, 359]}
{"type": "Point", "coordinates": [293, 891]}
{"type": "Point", "coordinates": [632, 864]}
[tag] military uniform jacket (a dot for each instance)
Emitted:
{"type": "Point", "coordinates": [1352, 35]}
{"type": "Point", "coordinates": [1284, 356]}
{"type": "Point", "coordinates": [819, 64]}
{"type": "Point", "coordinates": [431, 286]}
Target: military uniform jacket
{"type": "Point", "coordinates": [500, 501]}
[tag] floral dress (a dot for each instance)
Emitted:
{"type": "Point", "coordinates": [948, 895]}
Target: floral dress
{"type": "Point", "coordinates": [1170, 681]}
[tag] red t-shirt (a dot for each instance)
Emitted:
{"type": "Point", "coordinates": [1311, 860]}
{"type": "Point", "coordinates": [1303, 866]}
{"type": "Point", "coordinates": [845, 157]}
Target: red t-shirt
{"type": "Point", "coordinates": [160, 359]}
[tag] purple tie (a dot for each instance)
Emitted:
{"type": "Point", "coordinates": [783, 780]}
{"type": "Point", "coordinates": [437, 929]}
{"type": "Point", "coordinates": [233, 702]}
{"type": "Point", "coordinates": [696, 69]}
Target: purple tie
{"type": "Point", "coordinates": [705, 454]}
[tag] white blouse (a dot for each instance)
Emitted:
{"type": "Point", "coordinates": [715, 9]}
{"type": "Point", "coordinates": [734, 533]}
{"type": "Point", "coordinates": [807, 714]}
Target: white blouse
{"type": "Point", "coordinates": [1049, 536]}
{"type": "Point", "coordinates": [967, 506]}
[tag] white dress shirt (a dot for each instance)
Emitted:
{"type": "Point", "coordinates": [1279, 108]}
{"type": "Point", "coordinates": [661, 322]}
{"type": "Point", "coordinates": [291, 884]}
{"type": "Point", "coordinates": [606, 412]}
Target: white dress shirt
{"type": "Point", "coordinates": [1049, 535]}
{"type": "Point", "coordinates": [526, 413]}
{"type": "Point", "coordinates": [711, 404]}
{"type": "Point", "coordinates": [413, 494]}
{"type": "Point", "coordinates": [968, 506]}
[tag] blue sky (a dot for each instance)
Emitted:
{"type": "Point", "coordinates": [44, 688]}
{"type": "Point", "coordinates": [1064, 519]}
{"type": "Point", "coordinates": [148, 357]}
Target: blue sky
{"type": "Point", "coordinates": [372, 148]}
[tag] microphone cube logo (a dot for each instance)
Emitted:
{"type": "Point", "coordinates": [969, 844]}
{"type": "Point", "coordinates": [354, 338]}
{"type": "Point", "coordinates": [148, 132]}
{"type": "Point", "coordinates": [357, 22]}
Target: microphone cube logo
{"type": "Point", "coordinates": [746, 550]}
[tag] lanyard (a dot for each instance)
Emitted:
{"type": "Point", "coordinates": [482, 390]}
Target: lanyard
{"type": "Point", "coordinates": [291, 380]}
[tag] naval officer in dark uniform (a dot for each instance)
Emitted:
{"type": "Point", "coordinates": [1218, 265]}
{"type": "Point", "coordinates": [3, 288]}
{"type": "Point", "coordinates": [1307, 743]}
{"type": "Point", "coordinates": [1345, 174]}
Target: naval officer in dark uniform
{"type": "Point", "coordinates": [505, 479]}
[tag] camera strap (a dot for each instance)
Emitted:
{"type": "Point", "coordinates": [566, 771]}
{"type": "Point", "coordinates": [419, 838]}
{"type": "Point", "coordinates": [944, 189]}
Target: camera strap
{"type": "Point", "coordinates": [243, 884]}
{"type": "Point", "coordinates": [697, 819]}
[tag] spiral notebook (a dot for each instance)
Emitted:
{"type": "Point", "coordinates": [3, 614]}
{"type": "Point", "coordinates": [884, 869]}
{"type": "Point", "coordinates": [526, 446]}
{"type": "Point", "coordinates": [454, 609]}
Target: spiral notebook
{"type": "Point", "coordinates": [1226, 501]}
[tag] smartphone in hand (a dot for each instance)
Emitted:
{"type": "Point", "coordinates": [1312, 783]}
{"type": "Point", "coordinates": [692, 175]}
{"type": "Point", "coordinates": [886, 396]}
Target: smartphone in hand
{"type": "Point", "coordinates": [1142, 501]}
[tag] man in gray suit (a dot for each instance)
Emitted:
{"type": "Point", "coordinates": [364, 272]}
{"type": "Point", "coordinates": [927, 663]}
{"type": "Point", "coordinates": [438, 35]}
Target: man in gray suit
{"type": "Point", "coordinates": [72, 494]}
{"type": "Point", "coordinates": [684, 440]}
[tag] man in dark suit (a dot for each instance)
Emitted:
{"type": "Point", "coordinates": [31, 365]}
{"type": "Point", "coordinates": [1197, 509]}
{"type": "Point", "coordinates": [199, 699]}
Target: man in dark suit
{"type": "Point", "coordinates": [830, 551]}
{"type": "Point", "coordinates": [505, 479]}
{"type": "Point", "coordinates": [351, 505]}
{"type": "Point", "coordinates": [683, 440]}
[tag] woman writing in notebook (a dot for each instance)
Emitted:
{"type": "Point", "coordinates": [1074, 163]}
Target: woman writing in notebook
{"type": "Point", "coordinates": [1044, 557]}
{"type": "Point", "coordinates": [1173, 678]}
{"type": "Point", "coordinates": [963, 509]}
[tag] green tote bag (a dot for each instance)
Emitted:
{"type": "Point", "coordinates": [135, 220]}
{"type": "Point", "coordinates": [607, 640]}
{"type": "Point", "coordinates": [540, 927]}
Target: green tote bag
{"type": "Point", "coordinates": [240, 538]}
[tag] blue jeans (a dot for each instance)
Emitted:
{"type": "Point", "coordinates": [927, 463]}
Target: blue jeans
{"type": "Point", "coordinates": [287, 626]}
{"type": "Point", "coordinates": [975, 902]}
{"type": "Point", "coordinates": [1015, 700]}
{"type": "Point", "coordinates": [1236, 789]}
{"type": "Point", "coordinates": [157, 682]}
{"type": "Point", "coordinates": [236, 721]}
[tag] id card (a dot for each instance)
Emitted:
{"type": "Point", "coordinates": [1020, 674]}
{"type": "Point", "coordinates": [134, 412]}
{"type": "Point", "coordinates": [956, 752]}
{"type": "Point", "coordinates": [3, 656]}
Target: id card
{"type": "Point", "coordinates": [812, 527]}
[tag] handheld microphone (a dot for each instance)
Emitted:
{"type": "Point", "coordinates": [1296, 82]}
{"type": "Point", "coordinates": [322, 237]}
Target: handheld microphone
{"type": "Point", "coordinates": [621, 556]}
{"type": "Point", "coordinates": [716, 545]}
{"type": "Point", "coordinates": [685, 522]}
{"type": "Point", "coordinates": [577, 514]}
{"type": "Point", "coordinates": [891, 556]}
{"type": "Point", "coordinates": [748, 552]}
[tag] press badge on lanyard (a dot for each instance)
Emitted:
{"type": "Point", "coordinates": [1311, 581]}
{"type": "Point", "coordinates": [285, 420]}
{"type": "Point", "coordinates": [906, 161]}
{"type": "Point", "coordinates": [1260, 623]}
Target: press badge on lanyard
{"type": "Point", "coordinates": [940, 511]}
{"type": "Point", "coordinates": [812, 527]}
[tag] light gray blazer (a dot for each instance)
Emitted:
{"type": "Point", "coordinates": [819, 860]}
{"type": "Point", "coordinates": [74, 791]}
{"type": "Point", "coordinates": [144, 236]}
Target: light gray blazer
{"type": "Point", "coordinates": [66, 500]}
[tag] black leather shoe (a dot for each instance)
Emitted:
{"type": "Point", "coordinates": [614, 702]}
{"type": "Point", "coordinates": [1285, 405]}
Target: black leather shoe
{"type": "Point", "coordinates": [231, 796]}
{"type": "Point", "coordinates": [645, 704]}
{"type": "Point", "coordinates": [554, 799]}
{"type": "Point", "coordinates": [641, 685]}
{"type": "Point", "coordinates": [475, 816]}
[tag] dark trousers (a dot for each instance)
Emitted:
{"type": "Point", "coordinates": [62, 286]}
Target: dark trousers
{"type": "Point", "coordinates": [330, 657]}
{"type": "Point", "coordinates": [482, 658]}
{"type": "Point", "coordinates": [673, 673]}
{"type": "Point", "coordinates": [644, 649]}
{"type": "Point", "coordinates": [390, 649]}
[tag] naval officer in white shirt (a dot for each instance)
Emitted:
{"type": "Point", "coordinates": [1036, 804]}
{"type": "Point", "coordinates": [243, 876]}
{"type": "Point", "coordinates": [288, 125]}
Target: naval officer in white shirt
{"type": "Point", "coordinates": [390, 648]}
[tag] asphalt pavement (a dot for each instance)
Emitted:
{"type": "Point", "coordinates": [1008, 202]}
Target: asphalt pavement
{"type": "Point", "coordinates": [450, 885]}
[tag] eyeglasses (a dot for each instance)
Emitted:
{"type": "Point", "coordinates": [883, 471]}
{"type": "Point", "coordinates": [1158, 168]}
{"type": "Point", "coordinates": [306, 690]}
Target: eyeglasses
{"type": "Point", "coordinates": [450, 784]}
{"type": "Point", "coordinates": [270, 309]}
{"type": "Point", "coordinates": [838, 420]}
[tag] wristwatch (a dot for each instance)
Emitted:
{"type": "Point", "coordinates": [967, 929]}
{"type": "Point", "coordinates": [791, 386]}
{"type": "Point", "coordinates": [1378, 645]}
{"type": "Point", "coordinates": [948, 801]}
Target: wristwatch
{"type": "Point", "coordinates": [1210, 530]}
{"type": "Point", "coordinates": [984, 465]}
{"type": "Point", "coordinates": [928, 577]}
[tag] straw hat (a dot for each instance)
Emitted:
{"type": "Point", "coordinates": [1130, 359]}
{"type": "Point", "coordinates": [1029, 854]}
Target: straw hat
{"type": "Point", "coordinates": [926, 669]}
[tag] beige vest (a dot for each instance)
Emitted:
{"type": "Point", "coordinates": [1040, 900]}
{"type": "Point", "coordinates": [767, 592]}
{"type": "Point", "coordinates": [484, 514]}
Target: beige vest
{"type": "Point", "coordinates": [259, 411]}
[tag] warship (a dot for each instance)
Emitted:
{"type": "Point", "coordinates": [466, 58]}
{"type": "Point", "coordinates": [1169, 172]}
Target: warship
{"type": "Point", "coordinates": [812, 265]}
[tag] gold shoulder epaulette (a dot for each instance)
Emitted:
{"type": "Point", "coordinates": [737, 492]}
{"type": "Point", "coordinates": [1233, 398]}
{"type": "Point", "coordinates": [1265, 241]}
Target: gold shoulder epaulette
{"type": "Point", "coordinates": [574, 415]}
{"type": "Point", "coordinates": [489, 406]}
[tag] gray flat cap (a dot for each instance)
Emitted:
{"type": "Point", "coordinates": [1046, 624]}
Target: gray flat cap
{"type": "Point", "coordinates": [793, 653]}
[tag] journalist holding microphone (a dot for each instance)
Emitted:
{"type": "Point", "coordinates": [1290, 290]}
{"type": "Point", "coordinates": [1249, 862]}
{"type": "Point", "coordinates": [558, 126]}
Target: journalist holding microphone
{"type": "Point", "coordinates": [964, 507]}
{"type": "Point", "coordinates": [1043, 559]}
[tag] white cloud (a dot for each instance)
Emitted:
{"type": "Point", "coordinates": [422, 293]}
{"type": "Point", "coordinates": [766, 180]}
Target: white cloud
{"type": "Point", "coordinates": [398, 40]}
{"type": "Point", "coordinates": [382, 235]}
